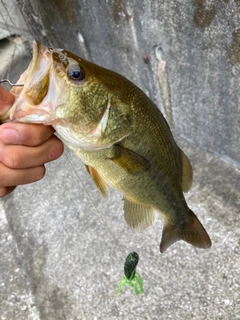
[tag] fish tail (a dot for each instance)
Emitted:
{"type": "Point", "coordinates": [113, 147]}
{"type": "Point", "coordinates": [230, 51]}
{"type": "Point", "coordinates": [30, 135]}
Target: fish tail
{"type": "Point", "coordinates": [191, 231]}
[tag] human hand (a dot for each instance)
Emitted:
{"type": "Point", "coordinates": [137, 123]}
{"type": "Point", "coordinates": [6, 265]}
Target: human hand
{"type": "Point", "coordinates": [24, 149]}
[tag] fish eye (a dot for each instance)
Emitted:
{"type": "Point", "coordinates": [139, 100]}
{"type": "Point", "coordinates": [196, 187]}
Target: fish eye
{"type": "Point", "coordinates": [75, 73]}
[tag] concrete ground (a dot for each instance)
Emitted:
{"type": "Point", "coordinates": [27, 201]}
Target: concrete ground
{"type": "Point", "coordinates": [61, 258]}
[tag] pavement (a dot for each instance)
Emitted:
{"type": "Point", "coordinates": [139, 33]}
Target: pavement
{"type": "Point", "coordinates": [61, 258]}
{"type": "Point", "coordinates": [63, 248]}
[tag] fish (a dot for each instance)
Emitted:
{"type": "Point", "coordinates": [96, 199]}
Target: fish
{"type": "Point", "coordinates": [120, 135]}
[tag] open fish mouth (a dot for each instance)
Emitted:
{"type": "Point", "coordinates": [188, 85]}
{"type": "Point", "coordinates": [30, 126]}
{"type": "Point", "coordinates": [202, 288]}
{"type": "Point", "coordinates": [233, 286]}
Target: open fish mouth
{"type": "Point", "coordinates": [36, 72]}
{"type": "Point", "coordinates": [33, 91]}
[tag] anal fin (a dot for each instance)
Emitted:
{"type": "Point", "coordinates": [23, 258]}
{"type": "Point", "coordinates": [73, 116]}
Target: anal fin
{"type": "Point", "coordinates": [100, 184]}
{"type": "Point", "coordinates": [191, 231]}
{"type": "Point", "coordinates": [138, 216]}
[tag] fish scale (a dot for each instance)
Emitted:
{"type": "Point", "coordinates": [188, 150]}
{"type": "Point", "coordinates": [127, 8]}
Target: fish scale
{"type": "Point", "coordinates": [120, 135]}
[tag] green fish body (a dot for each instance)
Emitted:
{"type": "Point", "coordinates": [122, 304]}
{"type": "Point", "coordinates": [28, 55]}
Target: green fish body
{"type": "Point", "coordinates": [120, 135]}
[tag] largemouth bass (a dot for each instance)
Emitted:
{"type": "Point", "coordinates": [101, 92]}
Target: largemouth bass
{"type": "Point", "coordinates": [120, 135]}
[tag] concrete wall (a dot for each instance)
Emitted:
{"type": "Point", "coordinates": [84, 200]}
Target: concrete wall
{"type": "Point", "coordinates": [11, 20]}
{"type": "Point", "coordinates": [199, 40]}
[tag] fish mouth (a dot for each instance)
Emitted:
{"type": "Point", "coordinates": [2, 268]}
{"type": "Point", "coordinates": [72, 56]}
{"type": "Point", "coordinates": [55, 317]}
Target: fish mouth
{"type": "Point", "coordinates": [35, 76]}
{"type": "Point", "coordinates": [33, 100]}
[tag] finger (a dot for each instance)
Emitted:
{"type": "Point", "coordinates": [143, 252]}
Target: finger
{"type": "Point", "coordinates": [11, 177]}
{"type": "Point", "coordinates": [22, 157]}
{"type": "Point", "coordinates": [25, 134]}
{"type": "Point", "coordinates": [6, 100]}
{"type": "Point", "coordinates": [6, 190]}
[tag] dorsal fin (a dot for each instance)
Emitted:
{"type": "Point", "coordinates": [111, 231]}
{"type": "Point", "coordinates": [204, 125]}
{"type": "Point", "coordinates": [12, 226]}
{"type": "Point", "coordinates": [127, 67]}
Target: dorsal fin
{"type": "Point", "coordinates": [187, 172]}
{"type": "Point", "coordinates": [97, 179]}
{"type": "Point", "coordinates": [138, 216]}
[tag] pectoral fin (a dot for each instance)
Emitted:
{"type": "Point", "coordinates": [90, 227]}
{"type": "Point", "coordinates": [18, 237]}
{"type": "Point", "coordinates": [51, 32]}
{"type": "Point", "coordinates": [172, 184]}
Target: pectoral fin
{"type": "Point", "coordinates": [100, 184]}
{"type": "Point", "coordinates": [187, 173]}
{"type": "Point", "coordinates": [138, 216]}
{"type": "Point", "coordinates": [129, 160]}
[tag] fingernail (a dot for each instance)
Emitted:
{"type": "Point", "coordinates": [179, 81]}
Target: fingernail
{"type": "Point", "coordinates": [9, 136]}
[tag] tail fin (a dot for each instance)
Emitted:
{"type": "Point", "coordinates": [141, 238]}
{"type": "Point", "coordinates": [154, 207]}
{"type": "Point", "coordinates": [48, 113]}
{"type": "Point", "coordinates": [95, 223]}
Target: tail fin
{"type": "Point", "coordinates": [191, 231]}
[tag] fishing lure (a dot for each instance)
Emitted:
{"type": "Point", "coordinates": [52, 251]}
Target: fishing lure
{"type": "Point", "coordinates": [131, 278]}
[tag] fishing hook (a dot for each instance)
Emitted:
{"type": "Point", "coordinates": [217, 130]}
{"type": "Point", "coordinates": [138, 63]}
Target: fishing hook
{"type": "Point", "coordinates": [11, 84]}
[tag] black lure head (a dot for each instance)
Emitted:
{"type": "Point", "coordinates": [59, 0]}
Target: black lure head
{"type": "Point", "coordinates": [131, 265]}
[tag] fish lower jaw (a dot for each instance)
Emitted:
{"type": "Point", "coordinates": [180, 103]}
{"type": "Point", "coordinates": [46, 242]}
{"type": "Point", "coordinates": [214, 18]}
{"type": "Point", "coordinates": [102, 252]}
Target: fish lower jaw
{"type": "Point", "coordinates": [73, 140]}
{"type": "Point", "coordinates": [33, 118]}
{"type": "Point", "coordinates": [29, 116]}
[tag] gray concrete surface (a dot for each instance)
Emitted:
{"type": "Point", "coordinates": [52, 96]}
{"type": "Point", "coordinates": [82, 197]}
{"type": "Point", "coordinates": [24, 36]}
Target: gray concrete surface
{"type": "Point", "coordinates": [200, 41]}
{"type": "Point", "coordinates": [14, 58]}
{"type": "Point", "coordinates": [58, 258]}
{"type": "Point", "coordinates": [11, 20]}
{"type": "Point", "coordinates": [59, 261]}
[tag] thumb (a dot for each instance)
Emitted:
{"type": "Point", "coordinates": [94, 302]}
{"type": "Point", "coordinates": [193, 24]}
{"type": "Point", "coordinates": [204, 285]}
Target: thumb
{"type": "Point", "coordinates": [6, 100]}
